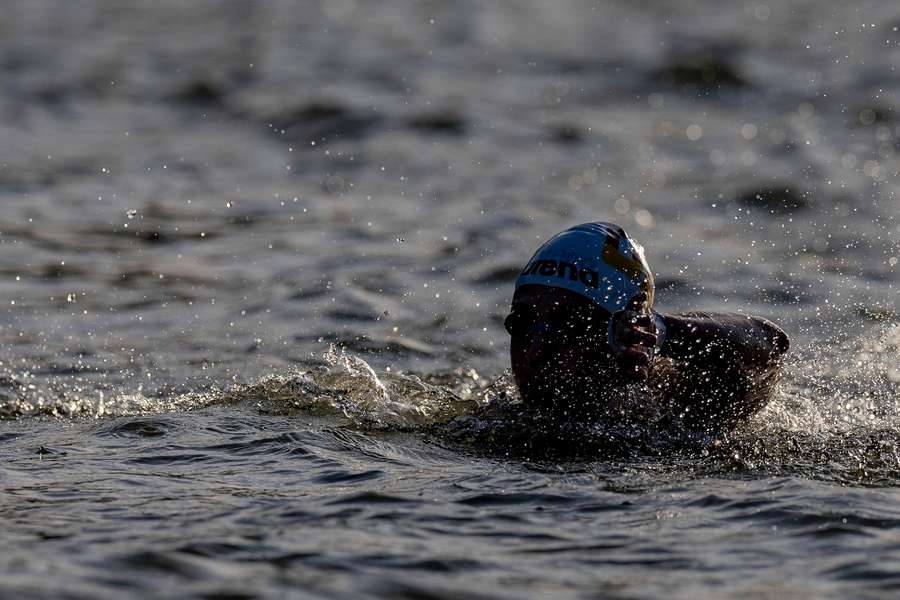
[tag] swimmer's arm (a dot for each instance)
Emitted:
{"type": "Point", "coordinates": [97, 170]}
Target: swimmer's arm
{"type": "Point", "coordinates": [730, 364]}
{"type": "Point", "coordinates": [723, 339]}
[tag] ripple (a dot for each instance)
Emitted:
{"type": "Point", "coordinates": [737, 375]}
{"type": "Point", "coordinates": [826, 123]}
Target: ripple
{"type": "Point", "coordinates": [515, 499]}
{"type": "Point", "coordinates": [140, 428]}
{"type": "Point", "coordinates": [173, 459]}
{"type": "Point", "coordinates": [372, 498]}
{"type": "Point", "coordinates": [344, 476]}
{"type": "Point", "coordinates": [165, 563]}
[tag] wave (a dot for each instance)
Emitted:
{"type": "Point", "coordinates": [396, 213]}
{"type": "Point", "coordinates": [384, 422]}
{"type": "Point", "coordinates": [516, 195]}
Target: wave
{"type": "Point", "coordinates": [835, 414]}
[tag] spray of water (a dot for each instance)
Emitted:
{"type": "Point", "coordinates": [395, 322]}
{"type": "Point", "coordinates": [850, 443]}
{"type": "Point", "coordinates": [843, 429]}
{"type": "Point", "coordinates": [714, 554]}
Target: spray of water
{"type": "Point", "coordinates": [835, 414]}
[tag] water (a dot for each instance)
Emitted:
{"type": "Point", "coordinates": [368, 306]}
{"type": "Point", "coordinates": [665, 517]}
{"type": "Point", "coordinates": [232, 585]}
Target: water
{"type": "Point", "coordinates": [255, 257]}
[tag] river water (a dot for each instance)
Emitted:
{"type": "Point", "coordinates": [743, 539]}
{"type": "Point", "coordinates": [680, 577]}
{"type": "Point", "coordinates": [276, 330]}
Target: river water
{"type": "Point", "coordinates": [255, 258]}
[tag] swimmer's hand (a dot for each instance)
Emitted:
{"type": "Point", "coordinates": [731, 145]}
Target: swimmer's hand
{"type": "Point", "coordinates": [633, 338]}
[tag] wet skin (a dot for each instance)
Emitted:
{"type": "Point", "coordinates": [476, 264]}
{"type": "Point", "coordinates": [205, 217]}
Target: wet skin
{"type": "Point", "coordinates": [724, 365]}
{"type": "Point", "coordinates": [559, 352]}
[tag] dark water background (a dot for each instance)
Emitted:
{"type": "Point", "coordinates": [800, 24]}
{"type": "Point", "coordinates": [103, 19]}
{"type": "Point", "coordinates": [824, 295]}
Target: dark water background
{"type": "Point", "coordinates": [255, 257]}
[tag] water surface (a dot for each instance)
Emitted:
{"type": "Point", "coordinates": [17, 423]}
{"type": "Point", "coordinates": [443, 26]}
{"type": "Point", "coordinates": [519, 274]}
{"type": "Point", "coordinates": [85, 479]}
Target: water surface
{"type": "Point", "coordinates": [255, 257]}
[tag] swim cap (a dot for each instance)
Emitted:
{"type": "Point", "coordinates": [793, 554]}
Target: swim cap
{"type": "Point", "coordinates": [597, 260]}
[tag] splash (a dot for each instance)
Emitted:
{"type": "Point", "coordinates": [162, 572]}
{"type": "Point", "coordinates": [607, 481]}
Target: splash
{"type": "Point", "coordinates": [839, 388]}
{"type": "Point", "coordinates": [346, 386]}
{"type": "Point", "coordinates": [400, 401]}
{"type": "Point", "coordinates": [834, 416]}
{"type": "Point", "coordinates": [349, 387]}
{"type": "Point", "coordinates": [25, 396]}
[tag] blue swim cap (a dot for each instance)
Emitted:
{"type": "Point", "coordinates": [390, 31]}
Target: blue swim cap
{"type": "Point", "coordinates": [597, 260]}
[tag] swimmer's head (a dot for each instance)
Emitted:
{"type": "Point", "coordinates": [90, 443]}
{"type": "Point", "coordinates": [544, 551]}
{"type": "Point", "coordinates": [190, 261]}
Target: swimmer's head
{"type": "Point", "coordinates": [595, 260]}
{"type": "Point", "coordinates": [561, 312]}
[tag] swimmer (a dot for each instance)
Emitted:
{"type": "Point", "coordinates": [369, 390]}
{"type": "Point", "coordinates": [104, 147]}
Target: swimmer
{"type": "Point", "coordinates": [583, 332]}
